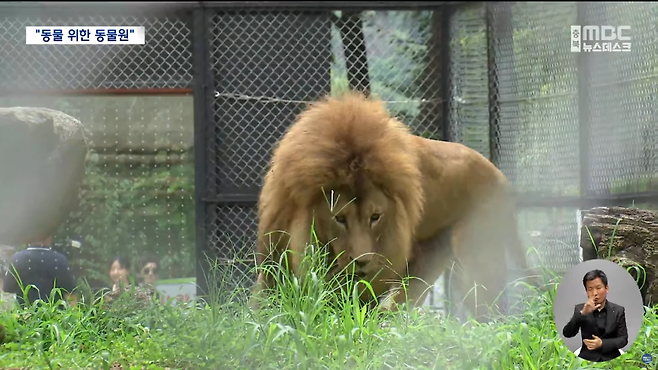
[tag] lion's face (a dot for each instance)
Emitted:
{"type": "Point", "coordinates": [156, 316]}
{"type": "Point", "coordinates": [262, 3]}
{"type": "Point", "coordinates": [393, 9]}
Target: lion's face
{"type": "Point", "coordinates": [352, 226]}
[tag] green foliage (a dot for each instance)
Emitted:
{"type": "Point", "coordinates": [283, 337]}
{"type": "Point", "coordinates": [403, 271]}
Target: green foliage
{"type": "Point", "coordinates": [397, 45]}
{"type": "Point", "coordinates": [299, 329]}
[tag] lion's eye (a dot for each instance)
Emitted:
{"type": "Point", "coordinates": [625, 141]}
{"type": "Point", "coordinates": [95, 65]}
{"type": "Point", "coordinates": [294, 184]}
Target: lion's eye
{"type": "Point", "coordinates": [375, 217]}
{"type": "Point", "coordinates": [340, 219]}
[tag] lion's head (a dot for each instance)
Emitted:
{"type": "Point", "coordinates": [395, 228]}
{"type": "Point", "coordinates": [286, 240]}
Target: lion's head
{"type": "Point", "coordinates": [350, 168]}
{"type": "Point", "coordinates": [353, 223]}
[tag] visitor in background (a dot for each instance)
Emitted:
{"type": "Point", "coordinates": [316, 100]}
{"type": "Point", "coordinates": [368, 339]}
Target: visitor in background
{"type": "Point", "coordinates": [149, 269]}
{"type": "Point", "coordinates": [120, 273]}
{"type": "Point", "coordinates": [43, 268]}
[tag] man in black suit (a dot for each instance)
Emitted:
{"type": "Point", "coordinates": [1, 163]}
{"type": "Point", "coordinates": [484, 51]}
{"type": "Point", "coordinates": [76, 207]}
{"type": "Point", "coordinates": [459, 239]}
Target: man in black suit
{"type": "Point", "coordinates": [602, 323]}
{"type": "Point", "coordinates": [43, 268]}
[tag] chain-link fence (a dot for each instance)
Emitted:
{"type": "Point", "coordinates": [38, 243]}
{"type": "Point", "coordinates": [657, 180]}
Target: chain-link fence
{"type": "Point", "coordinates": [574, 127]}
{"type": "Point", "coordinates": [165, 62]}
{"type": "Point", "coordinates": [570, 130]}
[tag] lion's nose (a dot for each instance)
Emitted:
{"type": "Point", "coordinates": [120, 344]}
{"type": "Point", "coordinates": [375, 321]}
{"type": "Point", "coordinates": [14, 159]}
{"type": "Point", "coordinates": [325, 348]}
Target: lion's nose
{"type": "Point", "coordinates": [360, 262]}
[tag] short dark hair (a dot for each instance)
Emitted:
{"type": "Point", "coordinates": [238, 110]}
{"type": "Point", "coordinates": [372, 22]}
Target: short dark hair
{"type": "Point", "coordinates": [123, 262]}
{"type": "Point", "coordinates": [148, 257]}
{"type": "Point", "coordinates": [591, 275]}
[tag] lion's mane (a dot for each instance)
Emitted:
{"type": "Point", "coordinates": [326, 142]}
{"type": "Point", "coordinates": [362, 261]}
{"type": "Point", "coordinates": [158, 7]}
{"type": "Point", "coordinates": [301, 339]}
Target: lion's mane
{"type": "Point", "coordinates": [331, 144]}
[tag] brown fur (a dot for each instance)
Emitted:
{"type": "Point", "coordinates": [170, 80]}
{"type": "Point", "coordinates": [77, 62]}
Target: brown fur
{"type": "Point", "coordinates": [430, 195]}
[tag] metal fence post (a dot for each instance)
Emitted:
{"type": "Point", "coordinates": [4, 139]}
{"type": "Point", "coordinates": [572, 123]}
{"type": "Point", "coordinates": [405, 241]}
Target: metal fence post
{"type": "Point", "coordinates": [446, 15]}
{"type": "Point", "coordinates": [500, 30]}
{"type": "Point", "coordinates": [445, 97]}
{"type": "Point", "coordinates": [584, 113]}
{"type": "Point", "coordinates": [494, 122]}
{"type": "Point", "coordinates": [354, 49]}
{"type": "Point", "coordinates": [201, 91]}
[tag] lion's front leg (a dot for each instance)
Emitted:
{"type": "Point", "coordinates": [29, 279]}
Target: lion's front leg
{"type": "Point", "coordinates": [266, 258]}
{"type": "Point", "coordinates": [400, 294]}
{"type": "Point", "coordinates": [392, 299]}
{"type": "Point", "coordinates": [281, 251]}
{"type": "Point", "coordinates": [431, 258]}
{"type": "Point", "coordinates": [263, 282]}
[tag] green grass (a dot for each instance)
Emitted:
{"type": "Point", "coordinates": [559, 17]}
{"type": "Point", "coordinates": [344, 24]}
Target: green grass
{"type": "Point", "coordinates": [299, 329]}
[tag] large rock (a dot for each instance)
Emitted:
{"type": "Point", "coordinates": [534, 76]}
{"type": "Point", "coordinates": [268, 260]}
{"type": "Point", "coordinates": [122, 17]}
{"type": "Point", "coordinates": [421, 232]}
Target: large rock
{"type": "Point", "coordinates": [42, 165]}
{"type": "Point", "coordinates": [628, 237]}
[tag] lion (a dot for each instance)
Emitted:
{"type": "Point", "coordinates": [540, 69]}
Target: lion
{"type": "Point", "coordinates": [403, 206]}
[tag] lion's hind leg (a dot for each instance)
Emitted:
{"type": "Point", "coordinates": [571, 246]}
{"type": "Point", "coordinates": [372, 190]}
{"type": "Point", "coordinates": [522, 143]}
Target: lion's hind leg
{"type": "Point", "coordinates": [272, 257]}
{"type": "Point", "coordinates": [265, 279]}
{"type": "Point", "coordinates": [480, 245]}
{"type": "Point", "coordinates": [479, 278]}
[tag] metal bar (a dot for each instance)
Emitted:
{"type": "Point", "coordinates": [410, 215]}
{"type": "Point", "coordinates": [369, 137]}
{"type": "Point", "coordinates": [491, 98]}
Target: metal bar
{"type": "Point", "coordinates": [182, 153]}
{"type": "Point", "coordinates": [446, 15]}
{"type": "Point", "coordinates": [584, 113]}
{"type": "Point", "coordinates": [202, 94]}
{"type": "Point", "coordinates": [444, 55]}
{"type": "Point", "coordinates": [334, 5]}
{"type": "Point", "coordinates": [96, 4]}
{"type": "Point", "coordinates": [128, 151]}
{"type": "Point", "coordinates": [354, 49]}
{"type": "Point", "coordinates": [249, 198]}
{"type": "Point", "coordinates": [494, 122]}
{"type": "Point", "coordinates": [105, 5]}
{"type": "Point", "coordinates": [65, 11]}
{"type": "Point", "coordinates": [94, 91]}
{"type": "Point", "coordinates": [279, 5]}
{"type": "Point", "coordinates": [526, 200]}
{"type": "Point", "coordinates": [502, 28]}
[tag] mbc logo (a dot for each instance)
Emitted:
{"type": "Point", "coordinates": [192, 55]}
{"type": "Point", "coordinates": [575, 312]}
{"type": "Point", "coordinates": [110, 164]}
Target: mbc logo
{"type": "Point", "coordinates": [606, 33]}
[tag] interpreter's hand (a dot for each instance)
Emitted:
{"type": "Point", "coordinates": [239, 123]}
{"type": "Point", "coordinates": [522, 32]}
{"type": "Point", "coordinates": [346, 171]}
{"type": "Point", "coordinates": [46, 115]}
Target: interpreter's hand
{"type": "Point", "coordinates": [589, 306]}
{"type": "Point", "coordinates": [593, 344]}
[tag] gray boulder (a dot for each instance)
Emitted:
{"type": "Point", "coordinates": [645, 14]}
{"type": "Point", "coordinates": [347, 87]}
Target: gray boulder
{"type": "Point", "coordinates": [42, 165]}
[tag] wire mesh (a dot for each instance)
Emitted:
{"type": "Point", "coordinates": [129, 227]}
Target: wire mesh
{"type": "Point", "coordinates": [404, 65]}
{"type": "Point", "coordinates": [266, 66]}
{"type": "Point", "coordinates": [396, 55]}
{"type": "Point", "coordinates": [552, 235]}
{"type": "Point", "coordinates": [537, 122]}
{"type": "Point", "coordinates": [623, 137]}
{"type": "Point", "coordinates": [538, 97]}
{"type": "Point", "coordinates": [165, 61]}
{"type": "Point", "coordinates": [137, 196]}
{"type": "Point", "coordinates": [469, 95]}
{"type": "Point", "coordinates": [232, 236]}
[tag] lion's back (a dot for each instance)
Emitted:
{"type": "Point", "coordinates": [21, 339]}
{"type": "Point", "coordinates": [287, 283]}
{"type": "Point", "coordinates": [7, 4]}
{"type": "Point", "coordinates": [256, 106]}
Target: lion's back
{"type": "Point", "coordinates": [456, 179]}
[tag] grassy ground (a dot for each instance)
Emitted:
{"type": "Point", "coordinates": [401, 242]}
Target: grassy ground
{"type": "Point", "coordinates": [302, 332]}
